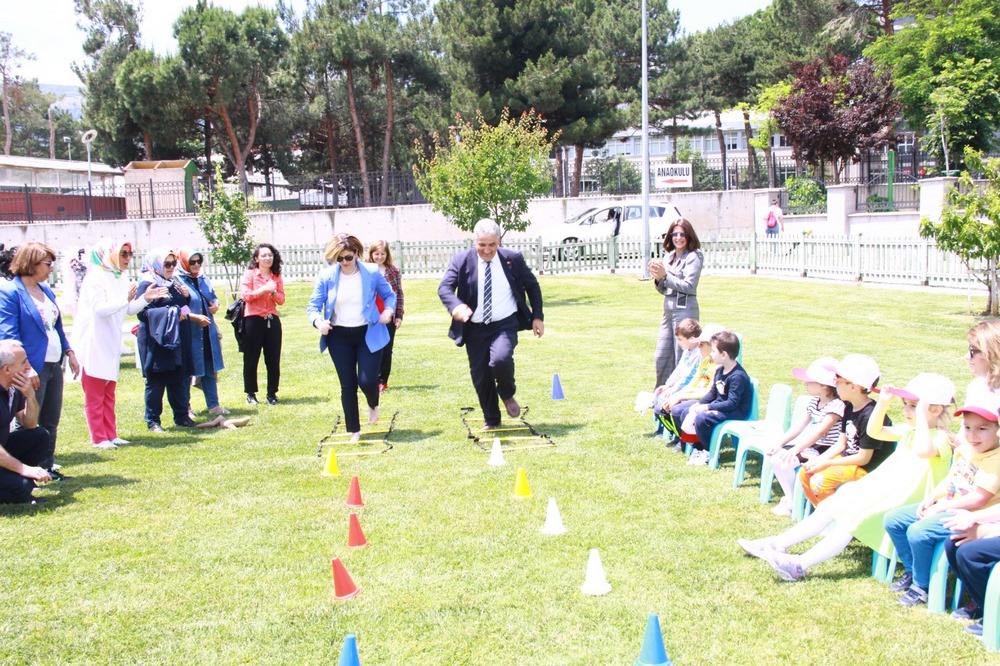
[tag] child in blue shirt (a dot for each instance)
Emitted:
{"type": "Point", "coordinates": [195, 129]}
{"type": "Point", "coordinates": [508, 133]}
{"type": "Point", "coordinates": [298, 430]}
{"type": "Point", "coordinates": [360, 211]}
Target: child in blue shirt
{"type": "Point", "coordinates": [729, 397]}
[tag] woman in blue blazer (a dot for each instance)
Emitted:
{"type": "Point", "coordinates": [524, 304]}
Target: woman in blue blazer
{"type": "Point", "coordinates": [343, 308]}
{"type": "Point", "coordinates": [29, 314]}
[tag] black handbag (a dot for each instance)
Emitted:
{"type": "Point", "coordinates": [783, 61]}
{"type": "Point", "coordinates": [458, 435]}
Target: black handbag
{"type": "Point", "coordinates": [234, 313]}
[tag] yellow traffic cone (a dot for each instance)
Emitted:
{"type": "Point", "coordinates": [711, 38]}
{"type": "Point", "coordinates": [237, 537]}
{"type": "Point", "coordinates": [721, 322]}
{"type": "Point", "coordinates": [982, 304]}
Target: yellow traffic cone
{"type": "Point", "coordinates": [331, 468]}
{"type": "Point", "coordinates": [521, 488]}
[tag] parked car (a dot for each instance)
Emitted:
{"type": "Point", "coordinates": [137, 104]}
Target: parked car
{"type": "Point", "coordinates": [623, 219]}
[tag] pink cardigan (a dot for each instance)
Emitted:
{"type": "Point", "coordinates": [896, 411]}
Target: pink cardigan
{"type": "Point", "coordinates": [260, 306]}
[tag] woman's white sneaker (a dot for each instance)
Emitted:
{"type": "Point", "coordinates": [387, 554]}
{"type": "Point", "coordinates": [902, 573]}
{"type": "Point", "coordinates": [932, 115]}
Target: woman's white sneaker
{"type": "Point", "coordinates": [106, 444]}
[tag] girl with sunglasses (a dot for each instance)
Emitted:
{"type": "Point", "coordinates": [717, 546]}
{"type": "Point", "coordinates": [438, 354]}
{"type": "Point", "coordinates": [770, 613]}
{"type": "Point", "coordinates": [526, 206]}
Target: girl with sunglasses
{"type": "Point", "coordinates": [676, 278]}
{"type": "Point", "coordinates": [343, 308]}
{"type": "Point", "coordinates": [263, 290]}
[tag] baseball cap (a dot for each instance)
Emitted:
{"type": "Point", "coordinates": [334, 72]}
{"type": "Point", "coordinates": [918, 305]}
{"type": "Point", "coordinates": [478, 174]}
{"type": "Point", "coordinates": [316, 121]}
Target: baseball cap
{"type": "Point", "coordinates": [983, 403]}
{"type": "Point", "coordinates": [934, 388]}
{"type": "Point", "coordinates": [819, 371]}
{"type": "Point", "coordinates": [859, 369]}
{"type": "Point", "coordinates": [708, 330]}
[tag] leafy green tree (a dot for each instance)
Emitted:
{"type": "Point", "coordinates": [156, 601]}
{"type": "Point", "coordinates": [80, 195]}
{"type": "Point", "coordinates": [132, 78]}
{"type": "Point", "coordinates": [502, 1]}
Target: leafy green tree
{"type": "Point", "coordinates": [112, 33]}
{"type": "Point", "coordinates": [10, 60]}
{"type": "Point", "coordinates": [537, 55]}
{"type": "Point", "coordinates": [223, 219]}
{"type": "Point", "coordinates": [704, 179]}
{"type": "Point", "coordinates": [38, 126]}
{"type": "Point", "coordinates": [970, 222]}
{"type": "Point", "coordinates": [491, 171]}
{"type": "Point", "coordinates": [152, 90]}
{"type": "Point", "coordinates": [767, 125]}
{"type": "Point", "coordinates": [615, 174]}
{"type": "Point", "coordinates": [229, 59]}
{"type": "Point", "coordinates": [947, 43]}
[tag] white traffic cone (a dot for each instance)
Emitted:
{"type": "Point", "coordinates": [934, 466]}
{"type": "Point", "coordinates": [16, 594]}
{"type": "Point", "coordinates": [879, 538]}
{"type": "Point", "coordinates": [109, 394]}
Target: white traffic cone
{"type": "Point", "coordinates": [496, 454]}
{"type": "Point", "coordinates": [553, 521]}
{"type": "Point", "coordinates": [596, 583]}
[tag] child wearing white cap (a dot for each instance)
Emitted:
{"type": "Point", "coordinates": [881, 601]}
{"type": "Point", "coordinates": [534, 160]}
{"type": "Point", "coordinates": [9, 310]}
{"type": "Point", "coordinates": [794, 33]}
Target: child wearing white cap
{"type": "Point", "coordinates": [811, 435]}
{"type": "Point", "coordinates": [922, 455]}
{"type": "Point", "coordinates": [972, 484]}
{"type": "Point", "coordinates": [856, 453]}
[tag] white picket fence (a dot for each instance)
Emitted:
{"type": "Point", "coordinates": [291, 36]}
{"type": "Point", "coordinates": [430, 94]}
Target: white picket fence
{"type": "Point", "coordinates": [906, 261]}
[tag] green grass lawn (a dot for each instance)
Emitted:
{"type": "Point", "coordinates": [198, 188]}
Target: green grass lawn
{"type": "Point", "coordinates": [215, 547]}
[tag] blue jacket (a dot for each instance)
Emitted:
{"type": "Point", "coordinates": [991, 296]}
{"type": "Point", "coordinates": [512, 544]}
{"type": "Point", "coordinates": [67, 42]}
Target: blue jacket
{"type": "Point", "coordinates": [21, 321]}
{"type": "Point", "coordinates": [202, 295]}
{"type": "Point", "coordinates": [324, 297]}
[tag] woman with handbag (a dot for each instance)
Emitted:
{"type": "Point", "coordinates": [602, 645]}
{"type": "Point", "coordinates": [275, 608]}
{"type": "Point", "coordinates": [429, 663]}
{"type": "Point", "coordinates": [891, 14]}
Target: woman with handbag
{"type": "Point", "coordinates": [206, 348]}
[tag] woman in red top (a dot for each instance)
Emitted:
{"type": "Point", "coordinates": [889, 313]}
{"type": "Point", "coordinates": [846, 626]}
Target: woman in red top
{"type": "Point", "coordinates": [262, 290]}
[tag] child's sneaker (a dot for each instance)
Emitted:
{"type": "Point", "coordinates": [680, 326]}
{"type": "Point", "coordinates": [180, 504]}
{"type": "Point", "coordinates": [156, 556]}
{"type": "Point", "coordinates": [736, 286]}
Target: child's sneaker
{"type": "Point", "coordinates": [786, 566]}
{"type": "Point", "coordinates": [914, 596]}
{"type": "Point", "coordinates": [759, 547]}
{"type": "Point", "coordinates": [903, 584]}
{"type": "Point", "coordinates": [784, 507]}
{"type": "Point", "coordinates": [678, 447]}
{"type": "Point", "coordinates": [970, 611]}
{"type": "Point", "coordinates": [699, 458]}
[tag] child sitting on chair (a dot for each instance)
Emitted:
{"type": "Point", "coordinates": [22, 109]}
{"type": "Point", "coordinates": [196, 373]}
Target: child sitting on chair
{"type": "Point", "coordinates": [695, 388]}
{"type": "Point", "coordinates": [729, 397]}
{"type": "Point", "coordinates": [687, 333]}
{"type": "Point", "coordinates": [856, 453]}
{"type": "Point", "coordinates": [811, 435]}
{"type": "Point", "coordinates": [972, 484]}
{"type": "Point", "coordinates": [921, 458]}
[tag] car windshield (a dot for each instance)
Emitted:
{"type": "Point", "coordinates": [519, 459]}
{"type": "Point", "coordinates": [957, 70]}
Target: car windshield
{"type": "Point", "coordinates": [576, 218]}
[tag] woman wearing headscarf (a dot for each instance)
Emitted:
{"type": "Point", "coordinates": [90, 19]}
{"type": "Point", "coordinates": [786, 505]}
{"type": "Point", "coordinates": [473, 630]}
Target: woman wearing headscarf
{"type": "Point", "coordinates": [30, 315]}
{"type": "Point", "coordinates": [165, 339]}
{"type": "Point", "coordinates": [106, 298]}
{"type": "Point", "coordinates": [206, 350]}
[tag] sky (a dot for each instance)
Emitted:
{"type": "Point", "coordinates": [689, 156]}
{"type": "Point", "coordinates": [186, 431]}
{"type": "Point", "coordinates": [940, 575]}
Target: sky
{"type": "Point", "coordinates": [47, 28]}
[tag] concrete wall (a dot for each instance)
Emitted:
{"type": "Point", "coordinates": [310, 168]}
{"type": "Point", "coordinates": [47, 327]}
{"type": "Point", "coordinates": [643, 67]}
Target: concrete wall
{"type": "Point", "coordinates": [712, 213]}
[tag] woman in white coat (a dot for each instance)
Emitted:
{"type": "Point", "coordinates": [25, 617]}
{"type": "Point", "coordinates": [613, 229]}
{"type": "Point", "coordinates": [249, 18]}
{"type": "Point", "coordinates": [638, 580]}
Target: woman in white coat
{"type": "Point", "coordinates": [106, 298]}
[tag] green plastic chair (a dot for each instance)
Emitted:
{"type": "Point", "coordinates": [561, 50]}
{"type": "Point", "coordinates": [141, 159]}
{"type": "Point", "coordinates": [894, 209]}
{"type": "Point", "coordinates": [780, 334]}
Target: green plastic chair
{"type": "Point", "coordinates": [991, 612]}
{"type": "Point", "coordinates": [754, 435]}
{"type": "Point", "coordinates": [730, 428]}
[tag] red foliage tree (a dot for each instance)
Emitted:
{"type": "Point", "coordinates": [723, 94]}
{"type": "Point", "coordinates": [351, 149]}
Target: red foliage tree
{"type": "Point", "coordinates": [837, 111]}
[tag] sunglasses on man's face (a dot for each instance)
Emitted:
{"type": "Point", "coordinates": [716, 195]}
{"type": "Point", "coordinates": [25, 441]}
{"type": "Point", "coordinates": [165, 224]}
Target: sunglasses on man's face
{"type": "Point", "coordinates": [169, 264]}
{"type": "Point", "coordinates": [345, 258]}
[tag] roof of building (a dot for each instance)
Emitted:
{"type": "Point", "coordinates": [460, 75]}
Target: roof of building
{"type": "Point", "coordinates": [45, 164]}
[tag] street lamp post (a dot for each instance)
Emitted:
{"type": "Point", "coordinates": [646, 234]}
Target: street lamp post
{"type": "Point", "coordinates": [69, 148]}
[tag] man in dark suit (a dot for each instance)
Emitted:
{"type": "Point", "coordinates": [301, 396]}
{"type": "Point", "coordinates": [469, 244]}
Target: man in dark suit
{"type": "Point", "coordinates": [491, 295]}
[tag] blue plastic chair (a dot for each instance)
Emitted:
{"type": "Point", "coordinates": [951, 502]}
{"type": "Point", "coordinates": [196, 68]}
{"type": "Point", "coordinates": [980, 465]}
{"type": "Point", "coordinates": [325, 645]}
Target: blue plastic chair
{"type": "Point", "coordinates": [754, 435]}
{"type": "Point", "coordinates": [991, 612]}
{"type": "Point", "coordinates": [937, 589]}
{"type": "Point", "coordinates": [731, 428]}
{"type": "Point", "coordinates": [801, 506]}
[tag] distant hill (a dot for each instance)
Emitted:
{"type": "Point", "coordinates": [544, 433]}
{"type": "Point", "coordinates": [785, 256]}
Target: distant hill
{"type": "Point", "coordinates": [71, 98]}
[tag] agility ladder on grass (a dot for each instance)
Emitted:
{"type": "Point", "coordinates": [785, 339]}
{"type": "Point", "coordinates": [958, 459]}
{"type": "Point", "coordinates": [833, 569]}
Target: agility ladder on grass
{"type": "Point", "coordinates": [334, 439]}
{"type": "Point", "coordinates": [483, 439]}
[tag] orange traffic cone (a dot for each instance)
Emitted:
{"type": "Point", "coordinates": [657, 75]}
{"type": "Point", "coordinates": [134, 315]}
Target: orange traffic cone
{"type": "Point", "coordinates": [355, 537]}
{"type": "Point", "coordinates": [354, 494]}
{"type": "Point", "coordinates": [343, 586]}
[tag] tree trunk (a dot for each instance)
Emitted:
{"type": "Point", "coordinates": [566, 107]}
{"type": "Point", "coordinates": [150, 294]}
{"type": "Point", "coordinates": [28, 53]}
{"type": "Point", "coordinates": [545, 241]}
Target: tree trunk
{"type": "Point", "coordinates": [559, 170]}
{"type": "Point", "coordinates": [386, 148]}
{"type": "Point", "coordinates": [994, 288]}
{"type": "Point", "coordinates": [208, 145]}
{"type": "Point", "coordinates": [886, 16]}
{"type": "Point", "coordinates": [359, 138]}
{"type": "Point", "coordinates": [673, 140]}
{"type": "Point", "coordinates": [769, 163]}
{"type": "Point", "coordinates": [577, 168]}
{"type": "Point", "coordinates": [6, 118]}
{"type": "Point", "coordinates": [147, 143]}
{"type": "Point", "coordinates": [52, 135]}
{"type": "Point", "coordinates": [722, 147]}
{"type": "Point", "coordinates": [751, 153]}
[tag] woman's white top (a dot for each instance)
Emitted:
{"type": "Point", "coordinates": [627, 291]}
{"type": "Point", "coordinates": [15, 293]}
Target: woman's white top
{"type": "Point", "coordinates": [349, 310]}
{"type": "Point", "coordinates": [50, 313]}
{"type": "Point", "coordinates": [97, 327]}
